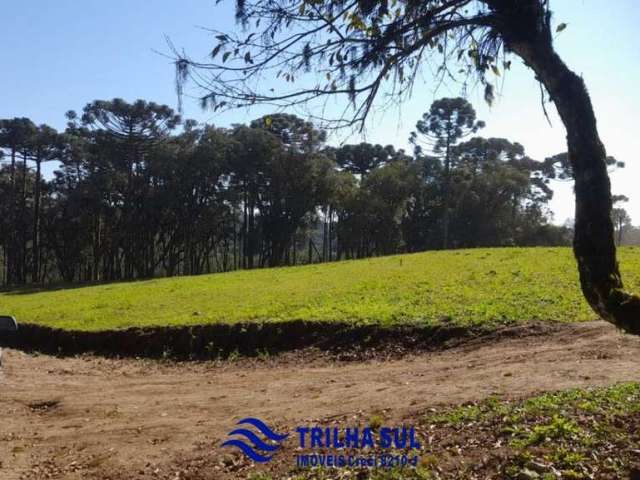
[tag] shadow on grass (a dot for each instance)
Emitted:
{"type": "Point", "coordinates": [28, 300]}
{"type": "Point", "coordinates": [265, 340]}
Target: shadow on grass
{"type": "Point", "coordinates": [52, 287]}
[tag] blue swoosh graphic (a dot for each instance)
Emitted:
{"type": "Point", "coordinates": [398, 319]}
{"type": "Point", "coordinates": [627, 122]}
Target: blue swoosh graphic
{"type": "Point", "coordinates": [266, 431]}
{"type": "Point", "coordinates": [248, 451]}
{"type": "Point", "coordinates": [257, 441]}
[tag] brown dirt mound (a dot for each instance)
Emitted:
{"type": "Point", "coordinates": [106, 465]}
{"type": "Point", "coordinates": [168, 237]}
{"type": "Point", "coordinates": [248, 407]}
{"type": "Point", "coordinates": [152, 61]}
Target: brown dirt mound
{"type": "Point", "coordinates": [217, 341]}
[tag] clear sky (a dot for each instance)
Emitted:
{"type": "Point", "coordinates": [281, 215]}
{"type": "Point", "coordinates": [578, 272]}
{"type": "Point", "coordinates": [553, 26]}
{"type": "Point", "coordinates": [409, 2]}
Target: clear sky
{"type": "Point", "coordinates": [60, 55]}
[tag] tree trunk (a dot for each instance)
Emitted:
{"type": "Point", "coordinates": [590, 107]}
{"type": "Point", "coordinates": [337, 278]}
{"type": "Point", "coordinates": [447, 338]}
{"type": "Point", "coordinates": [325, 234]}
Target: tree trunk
{"type": "Point", "coordinates": [251, 240]}
{"type": "Point", "coordinates": [10, 253]}
{"type": "Point", "coordinates": [245, 225]}
{"type": "Point", "coordinates": [35, 273]}
{"type": "Point", "coordinates": [447, 180]}
{"type": "Point", "coordinates": [330, 253]}
{"type": "Point", "coordinates": [22, 276]}
{"type": "Point", "coordinates": [593, 244]}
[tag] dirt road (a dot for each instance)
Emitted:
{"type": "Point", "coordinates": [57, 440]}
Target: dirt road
{"type": "Point", "coordinates": [88, 417]}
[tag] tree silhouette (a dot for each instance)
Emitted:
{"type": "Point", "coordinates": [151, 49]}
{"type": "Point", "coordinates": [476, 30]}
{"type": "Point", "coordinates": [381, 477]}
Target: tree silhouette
{"type": "Point", "coordinates": [46, 146]}
{"type": "Point", "coordinates": [294, 132]}
{"type": "Point", "coordinates": [128, 132]}
{"type": "Point", "coordinates": [16, 135]}
{"type": "Point", "coordinates": [620, 217]}
{"type": "Point", "coordinates": [362, 158]}
{"type": "Point", "coordinates": [448, 121]}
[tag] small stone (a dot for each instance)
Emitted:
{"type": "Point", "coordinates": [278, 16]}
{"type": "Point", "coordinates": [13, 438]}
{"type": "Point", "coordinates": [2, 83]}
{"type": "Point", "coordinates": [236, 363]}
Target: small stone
{"type": "Point", "coordinates": [537, 467]}
{"type": "Point", "coordinates": [527, 474]}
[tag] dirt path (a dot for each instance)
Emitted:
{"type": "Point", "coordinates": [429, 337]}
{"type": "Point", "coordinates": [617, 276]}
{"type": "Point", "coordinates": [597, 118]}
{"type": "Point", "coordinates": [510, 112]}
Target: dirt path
{"type": "Point", "coordinates": [89, 417]}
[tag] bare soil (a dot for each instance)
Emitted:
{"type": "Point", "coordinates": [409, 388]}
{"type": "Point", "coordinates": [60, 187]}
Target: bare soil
{"type": "Point", "coordinates": [96, 418]}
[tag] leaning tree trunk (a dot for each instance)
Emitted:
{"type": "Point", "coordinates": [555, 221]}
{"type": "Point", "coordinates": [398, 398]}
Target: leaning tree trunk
{"type": "Point", "coordinates": [593, 244]}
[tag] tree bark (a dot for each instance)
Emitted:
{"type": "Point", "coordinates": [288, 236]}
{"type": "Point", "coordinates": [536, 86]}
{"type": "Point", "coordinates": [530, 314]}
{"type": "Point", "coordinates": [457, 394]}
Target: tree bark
{"type": "Point", "coordinates": [447, 182]}
{"type": "Point", "coordinates": [251, 238]}
{"type": "Point", "coordinates": [35, 274]}
{"type": "Point", "coordinates": [11, 250]}
{"type": "Point", "coordinates": [22, 275]}
{"type": "Point", "coordinates": [594, 245]}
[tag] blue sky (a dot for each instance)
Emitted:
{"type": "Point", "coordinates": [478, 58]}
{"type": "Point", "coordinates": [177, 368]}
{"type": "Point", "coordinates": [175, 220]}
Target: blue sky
{"type": "Point", "coordinates": [60, 55]}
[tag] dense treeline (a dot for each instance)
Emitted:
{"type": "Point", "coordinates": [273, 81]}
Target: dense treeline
{"type": "Point", "coordinates": [137, 194]}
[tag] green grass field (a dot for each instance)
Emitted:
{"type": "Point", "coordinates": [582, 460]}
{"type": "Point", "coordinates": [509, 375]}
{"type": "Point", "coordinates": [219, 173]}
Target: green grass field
{"type": "Point", "coordinates": [463, 287]}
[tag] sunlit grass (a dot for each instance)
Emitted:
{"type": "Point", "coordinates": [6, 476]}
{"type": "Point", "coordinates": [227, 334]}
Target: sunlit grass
{"type": "Point", "coordinates": [462, 287]}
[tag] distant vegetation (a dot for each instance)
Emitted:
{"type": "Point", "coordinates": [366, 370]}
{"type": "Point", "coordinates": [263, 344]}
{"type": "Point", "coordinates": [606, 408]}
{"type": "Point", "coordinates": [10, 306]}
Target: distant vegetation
{"type": "Point", "coordinates": [133, 197]}
{"type": "Point", "coordinates": [487, 287]}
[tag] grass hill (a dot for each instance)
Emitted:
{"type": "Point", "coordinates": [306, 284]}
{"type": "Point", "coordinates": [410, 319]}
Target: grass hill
{"type": "Point", "coordinates": [462, 287]}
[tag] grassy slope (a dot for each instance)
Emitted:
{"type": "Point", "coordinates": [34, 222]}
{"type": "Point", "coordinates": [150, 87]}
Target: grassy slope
{"type": "Point", "coordinates": [481, 286]}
